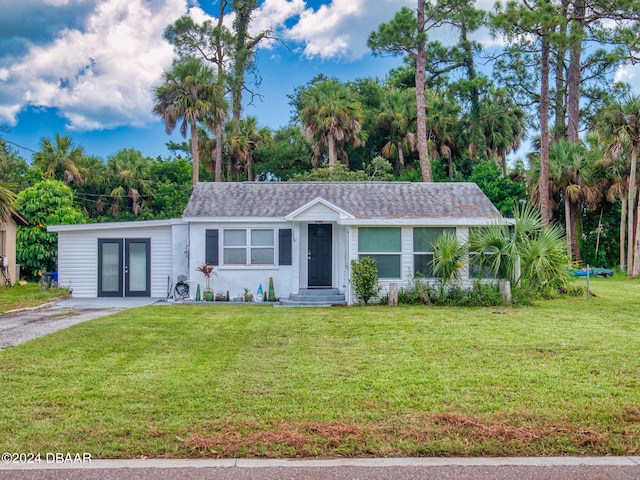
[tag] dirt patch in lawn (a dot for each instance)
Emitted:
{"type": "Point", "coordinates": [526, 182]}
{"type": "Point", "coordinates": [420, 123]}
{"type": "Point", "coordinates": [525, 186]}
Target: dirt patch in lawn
{"type": "Point", "coordinates": [427, 434]}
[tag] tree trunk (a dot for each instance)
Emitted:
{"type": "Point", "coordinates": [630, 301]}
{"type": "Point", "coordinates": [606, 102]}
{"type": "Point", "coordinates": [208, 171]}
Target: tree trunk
{"type": "Point", "coordinates": [218, 133]}
{"type": "Point", "coordinates": [195, 154]}
{"type": "Point", "coordinates": [576, 231]}
{"type": "Point", "coordinates": [250, 168]}
{"type": "Point", "coordinates": [400, 154]}
{"type": "Point", "coordinates": [568, 226]}
{"type": "Point", "coordinates": [623, 227]}
{"type": "Point", "coordinates": [333, 155]}
{"type": "Point", "coordinates": [636, 256]}
{"type": "Point", "coordinates": [471, 70]}
{"type": "Point", "coordinates": [560, 129]}
{"type": "Point", "coordinates": [574, 72]}
{"type": "Point", "coordinates": [630, 209]}
{"type": "Point", "coordinates": [421, 61]}
{"type": "Point", "coordinates": [545, 212]}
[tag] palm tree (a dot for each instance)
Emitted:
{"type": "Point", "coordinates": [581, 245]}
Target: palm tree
{"type": "Point", "coordinates": [398, 116]}
{"type": "Point", "coordinates": [188, 94]}
{"type": "Point", "coordinates": [619, 125]}
{"type": "Point", "coordinates": [527, 252]}
{"type": "Point", "coordinates": [130, 171]}
{"type": "Point", "coordinates": [617, 173]}
{"type": "Point", "coordinates": [449, 257]}
{"type": "Point", "coordinates": [242, 141]}
{"type": "Point", "coordinates": [570, 172]}
{"type": "Point", "coordinates": [442, 127]}
{"type": "Point", "coordinates": [7, 196]}
{"type": "Point", "coordinates": [60, 159]}
{"type": "Point", "coordinates": [332, 116]}
{"type": "Point", "coordinates": [503, 124]}
{"type": "Point", "coordinates": [214, 121]}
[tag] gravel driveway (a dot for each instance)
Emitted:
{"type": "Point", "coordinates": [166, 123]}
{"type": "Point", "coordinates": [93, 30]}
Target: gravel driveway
{"type": "Point", "coordinates": [24, 325]}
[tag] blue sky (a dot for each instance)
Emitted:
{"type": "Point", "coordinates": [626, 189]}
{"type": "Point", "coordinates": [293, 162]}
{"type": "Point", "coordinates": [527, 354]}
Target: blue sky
{"type": "Point", "coordinates": [86, 68]}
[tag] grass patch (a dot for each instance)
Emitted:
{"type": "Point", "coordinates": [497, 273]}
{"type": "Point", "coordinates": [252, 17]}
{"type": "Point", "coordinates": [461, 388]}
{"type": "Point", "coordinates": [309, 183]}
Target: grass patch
{"type": "Point", "coordinates": [559, 378]}
{"type": "Point", "coordinates": [29, 295]}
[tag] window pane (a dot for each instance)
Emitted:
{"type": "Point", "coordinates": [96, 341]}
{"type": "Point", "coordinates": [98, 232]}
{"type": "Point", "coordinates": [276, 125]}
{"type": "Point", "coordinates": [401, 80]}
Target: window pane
{"type": "Point", "coordinates": [422, 265]}
{"type": "Point", "coordinates": [480, 271]}
{"type": "Point", "coordinates": [235, 256]}
{"type": "Point", "coordinates": [423, 237]}
{"type": "Point", "coordinates": [235, 238]}
{"type": "Point", "coordinates": [262, 238]}
{"type": "Point", "coordinates": [372, 239]}
{"type": "Point", "coordinates": [262, 256]}
{"type": "Point", "coordinates": [111, 267]}
{"type": "Point", "coordinates": [2, 242]}
{"type": "Point", "coordinates": [388, 265]}
{"type": "Point", "coordinates": [137, 267]}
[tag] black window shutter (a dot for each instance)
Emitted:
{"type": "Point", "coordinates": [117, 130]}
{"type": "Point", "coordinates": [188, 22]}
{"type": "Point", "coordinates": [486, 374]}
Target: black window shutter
{"type": "Point", "coordinates": [211, 247]}
{"type": "Point", "coordinates": [285, 246]}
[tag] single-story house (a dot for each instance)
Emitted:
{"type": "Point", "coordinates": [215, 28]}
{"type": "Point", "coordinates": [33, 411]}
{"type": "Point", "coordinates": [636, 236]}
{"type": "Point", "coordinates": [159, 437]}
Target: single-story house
{"type": "Point", "coordinates": [8, 229]}
{"type": "Point", "coordinates": [303, 235]}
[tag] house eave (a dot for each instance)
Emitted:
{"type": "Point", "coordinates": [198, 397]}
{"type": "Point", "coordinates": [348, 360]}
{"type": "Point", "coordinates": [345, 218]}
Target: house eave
{"type": "Point", "coordinates": [422, 221]}
{"type": "Point", "coordinates": [233, 219]}
{"type": "Point", "coordinates": [114, 225]}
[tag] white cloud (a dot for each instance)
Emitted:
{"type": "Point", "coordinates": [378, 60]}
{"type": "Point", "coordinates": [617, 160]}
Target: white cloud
{"type": "Point", "coordinates": [273, 14]}
{"type": "Point", "coordinates": [100, 76]}
{"type": "Point", "coordinates": [628, 74]}
{"type": "Point", "coordinates": [341, 28]}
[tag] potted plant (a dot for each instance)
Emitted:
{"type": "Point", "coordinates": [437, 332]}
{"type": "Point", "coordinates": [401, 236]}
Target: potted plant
{"type": "Point", "coordinates": [207, 271]}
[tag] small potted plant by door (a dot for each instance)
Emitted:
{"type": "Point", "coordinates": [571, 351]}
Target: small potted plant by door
{"type": "Point", "coordinates": [207, 271]}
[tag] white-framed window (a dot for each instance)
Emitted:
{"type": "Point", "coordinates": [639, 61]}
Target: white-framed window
{"type": "Point", "coordinates": [2, 235]}
{"type": "Point", "coordinates": [248, 246]}
{"type": "Point", "coordinates": [423, 240]}
{"type": "Point", "coordinates": [384, 244]}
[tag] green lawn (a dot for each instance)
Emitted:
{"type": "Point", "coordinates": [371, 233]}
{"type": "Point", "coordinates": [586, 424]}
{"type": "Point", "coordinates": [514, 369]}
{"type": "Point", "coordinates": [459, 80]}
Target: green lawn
{"type": "Point", "coordinates": [561, 377]}
{"type": "Point", "coordinates": [29, 295]}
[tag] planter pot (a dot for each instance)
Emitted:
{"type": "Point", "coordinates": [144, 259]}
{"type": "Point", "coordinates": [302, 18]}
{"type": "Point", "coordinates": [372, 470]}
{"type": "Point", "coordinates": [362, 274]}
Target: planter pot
{"type": "Point", "coordinates": [208, 296]}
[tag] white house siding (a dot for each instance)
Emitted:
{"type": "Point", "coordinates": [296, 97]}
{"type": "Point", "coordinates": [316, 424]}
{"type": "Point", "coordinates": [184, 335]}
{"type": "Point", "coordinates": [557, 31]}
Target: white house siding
{"type": "Point", "coordinates": [406, 256]}
{"type": "Point", "coordinates": [180, 250]}
{"type": "Point", "coordinates": [234, 278]}
{"type": "Point", "coordinates": [78, 253]}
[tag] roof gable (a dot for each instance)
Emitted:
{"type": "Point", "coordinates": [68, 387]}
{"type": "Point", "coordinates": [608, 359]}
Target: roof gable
{"type": "Point", "coordinates": [357, 200]}
{"type": "Point", "coordinates": [318, 209]}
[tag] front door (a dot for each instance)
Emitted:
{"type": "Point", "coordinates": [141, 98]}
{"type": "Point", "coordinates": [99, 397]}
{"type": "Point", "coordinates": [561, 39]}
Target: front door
{"type": "Point", "coordinates": [319, 256]}
{"type": "Point", "coordinates": [124, 267]}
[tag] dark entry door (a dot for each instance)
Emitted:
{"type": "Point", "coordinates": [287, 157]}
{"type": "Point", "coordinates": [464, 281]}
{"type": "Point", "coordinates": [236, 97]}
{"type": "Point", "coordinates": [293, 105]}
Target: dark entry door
{"type": "Point", "coordinates": [124, 267]}
{"type": "Point", "coordinates": [319, 257]}
{"type": "Point", "coordinates": [137, 267]}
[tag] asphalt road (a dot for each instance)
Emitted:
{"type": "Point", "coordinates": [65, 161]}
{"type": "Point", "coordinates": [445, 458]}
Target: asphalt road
{"type": "Point", "coordinates": [569, 468]}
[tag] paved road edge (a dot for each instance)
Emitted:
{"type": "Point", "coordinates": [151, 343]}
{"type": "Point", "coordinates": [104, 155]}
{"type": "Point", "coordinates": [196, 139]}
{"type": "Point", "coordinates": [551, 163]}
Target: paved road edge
{"type": "Point", "coordinates": [335, 462]}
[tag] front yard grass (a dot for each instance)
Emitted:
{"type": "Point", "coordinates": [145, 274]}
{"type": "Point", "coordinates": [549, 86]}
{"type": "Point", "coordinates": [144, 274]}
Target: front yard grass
{"type": "Point", "coordinates": [29, 295]}
{"type": "Point", "coordinates": [559, 378]}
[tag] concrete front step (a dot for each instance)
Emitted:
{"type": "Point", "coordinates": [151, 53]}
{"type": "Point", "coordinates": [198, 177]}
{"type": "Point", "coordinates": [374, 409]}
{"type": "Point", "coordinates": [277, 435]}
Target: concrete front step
{"type": "Point", "coordinates": [315, 297]}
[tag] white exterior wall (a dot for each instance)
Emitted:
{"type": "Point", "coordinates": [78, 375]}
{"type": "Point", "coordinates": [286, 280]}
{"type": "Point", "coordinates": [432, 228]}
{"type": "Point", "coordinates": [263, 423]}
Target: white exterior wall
{"type": "Point", "coordinates": [406, 258]}
{"type": "Point", "coordinates": [78, 254]}
{"type": "Point", "coordinates": [235, 278]}
{"type": "Point", "coordinates": [180, 251]}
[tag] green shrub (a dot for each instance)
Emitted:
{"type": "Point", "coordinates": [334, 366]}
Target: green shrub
{"type": "Point", "coordinates": [420, 292]}
{"type": "Point", "coordinates": [364, 276]}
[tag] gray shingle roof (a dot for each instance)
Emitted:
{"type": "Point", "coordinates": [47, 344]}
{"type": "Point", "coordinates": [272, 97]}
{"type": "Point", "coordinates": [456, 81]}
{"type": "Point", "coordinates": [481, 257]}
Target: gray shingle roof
{"type": "Point", "coordinates": [365, 200]}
